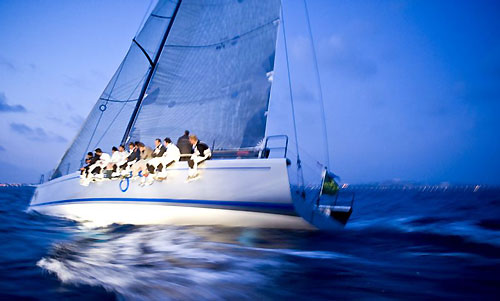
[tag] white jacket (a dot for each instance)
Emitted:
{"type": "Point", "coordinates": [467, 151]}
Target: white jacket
{"type": "Point", "coordinates": [118, 157]}
{"type": "Point", "coordinates": [104, 160]}
{"type": "Point", "coordinates": [172, 152]}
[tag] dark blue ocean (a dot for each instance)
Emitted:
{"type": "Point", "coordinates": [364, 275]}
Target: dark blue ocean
{"type": "Point", "coordinates": [399, 244]}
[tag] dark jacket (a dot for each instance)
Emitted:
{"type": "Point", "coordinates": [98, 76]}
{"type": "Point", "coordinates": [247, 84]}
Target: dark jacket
{"type": "Point", "coordinates": [134, 155]}
{"type": "Point", "coordinates": [94, 159]}
{"type": "Point", "coordinates": [202, 147]}
{"type": "Point", "coordinates": [184, 145]}
{"type": "Point", "coordinates": [91, 161]}
{"type": "Point", "coordinates": [159, 151]}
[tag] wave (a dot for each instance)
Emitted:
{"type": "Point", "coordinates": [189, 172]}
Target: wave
{"type": "Point", "coordinates": [154, 262]}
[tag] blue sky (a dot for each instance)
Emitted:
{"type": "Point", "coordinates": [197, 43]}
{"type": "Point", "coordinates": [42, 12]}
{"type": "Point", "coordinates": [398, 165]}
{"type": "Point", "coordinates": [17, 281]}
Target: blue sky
{"type": "Point", "coordinates": [411, 88]}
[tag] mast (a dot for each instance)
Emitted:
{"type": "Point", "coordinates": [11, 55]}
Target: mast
{"type": "Point", "coordinates": [150, 75]}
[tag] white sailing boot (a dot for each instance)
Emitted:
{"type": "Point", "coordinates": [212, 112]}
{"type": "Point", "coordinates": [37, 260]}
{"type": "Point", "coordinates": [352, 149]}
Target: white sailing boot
{"type": "Point", "coordinates": [149, 180]}
{"type": "Point", "coordinates": [143, 181]}
{"type": "Point", "coordinates": [161, 176]}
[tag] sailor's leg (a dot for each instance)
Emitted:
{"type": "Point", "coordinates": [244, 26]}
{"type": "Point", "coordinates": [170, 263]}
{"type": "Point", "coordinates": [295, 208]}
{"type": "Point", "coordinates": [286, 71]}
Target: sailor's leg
{"type": "Point", "coordinates": [96, 170]}
{"type": "Point", "coordinates": [153, 164]}
{"type": "Point", "coordinates": [86, 171]}
{"type": "Point", "coordinates": [136, 167]}
{"type": "Point", "coordinates": [193, 167]}
{"type": "Point", "coordinates": [169, 163]}
{"type": "Point", "coordinates": [89, 169]}
{"type": "Point", "coordinates": [127, 169]}
{"type": "Point", "coordinates": [162, 167]}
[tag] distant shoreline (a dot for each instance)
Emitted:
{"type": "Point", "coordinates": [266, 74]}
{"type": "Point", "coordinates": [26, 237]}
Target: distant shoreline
{"type": "Point", "coordinates": [16, 185]}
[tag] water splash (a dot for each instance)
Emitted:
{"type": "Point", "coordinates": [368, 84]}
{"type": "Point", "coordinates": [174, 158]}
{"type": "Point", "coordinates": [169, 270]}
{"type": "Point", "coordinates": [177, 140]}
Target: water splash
{"type": "Point", "coordinates": [155, 262]}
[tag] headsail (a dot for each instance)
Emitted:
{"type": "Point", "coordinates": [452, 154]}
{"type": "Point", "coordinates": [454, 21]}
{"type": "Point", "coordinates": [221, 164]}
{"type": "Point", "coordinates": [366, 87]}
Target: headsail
{"type": "Point", "coordinates": [110, 116]}
{"type": "Point", "coordinates": [213, 76]}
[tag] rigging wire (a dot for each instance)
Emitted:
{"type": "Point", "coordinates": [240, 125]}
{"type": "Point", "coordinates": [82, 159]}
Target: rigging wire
{"type": "Point", "coordinates": [299, 163]}
{"type": "Point", "coordinates": [146, 14]}
{"type": "Point", "coordinates": [316, 67]}
{"type": "Point", "coordinates": [121, 109]}
{"type": "Point", "coordinates": [102, 112]}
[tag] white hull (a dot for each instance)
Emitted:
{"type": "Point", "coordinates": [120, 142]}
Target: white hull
{"type": "Point", "coordinates": [247, 193]}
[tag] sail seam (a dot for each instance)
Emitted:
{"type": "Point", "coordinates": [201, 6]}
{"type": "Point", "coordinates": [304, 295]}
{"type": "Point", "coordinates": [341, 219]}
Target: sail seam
{"type": "Point", "coordinates": [226, 40]}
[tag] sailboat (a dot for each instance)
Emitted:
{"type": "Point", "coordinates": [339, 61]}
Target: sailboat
{"type": "Point", "coordinates": [207, 66]}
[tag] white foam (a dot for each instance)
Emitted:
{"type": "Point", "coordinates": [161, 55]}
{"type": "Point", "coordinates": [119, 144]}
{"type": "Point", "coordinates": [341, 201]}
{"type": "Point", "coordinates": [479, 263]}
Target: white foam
{"type": "Point", "coordinates": [152, 263]}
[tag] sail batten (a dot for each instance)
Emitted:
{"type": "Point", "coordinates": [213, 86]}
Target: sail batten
{"type": "Point", "coordinates": [232, 39]}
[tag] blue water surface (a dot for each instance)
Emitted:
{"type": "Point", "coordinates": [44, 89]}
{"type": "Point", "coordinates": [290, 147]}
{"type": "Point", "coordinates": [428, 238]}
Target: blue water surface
{"type": "Point", "coordinates": [399, 244]}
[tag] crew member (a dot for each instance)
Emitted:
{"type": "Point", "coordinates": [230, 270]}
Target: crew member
{"type": "Point", "coordinates": [201, 152]}
{"type": "Point", "coordinates": [160, 164]}
{"type": "Point", "coordinates": [90, 160]}
{"type": "Point", "coordinates": [134, 155]}
{"type": "Point", "coordinates": [103, 161]}
{"type": "Point", "coordinates": [145, 156]}
{"type": "Point", "coordinates": [184, 146]}
{"type": "Point", "coordinates": [118, 157]}
{"type": "Point", "coordinates": [158, 152]}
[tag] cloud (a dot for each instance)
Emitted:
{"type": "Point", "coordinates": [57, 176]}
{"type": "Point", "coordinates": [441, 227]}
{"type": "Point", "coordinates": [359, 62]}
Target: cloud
{"type": "Point", "coordinates": [18, 174]}
{"type": "Point", "coordinates": [75, 121]}
{"type": "Point", "coordinates": [4, 107]}
{"type": "Point", "coordinates": [345, 59]}
{"type": "Point", "coordinates": [7, 64]}
{"type": "Point", "coordinates": [71, 81]}
{"type": "Point", "coordinates": [37, 134]}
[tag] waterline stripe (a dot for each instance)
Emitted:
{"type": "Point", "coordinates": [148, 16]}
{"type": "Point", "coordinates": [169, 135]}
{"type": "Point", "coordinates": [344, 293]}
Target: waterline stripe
{"type": "Point", "coordinates": [282, 206]}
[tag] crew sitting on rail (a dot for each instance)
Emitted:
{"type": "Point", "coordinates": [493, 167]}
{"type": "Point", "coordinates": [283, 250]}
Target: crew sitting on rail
{"type": "Point", "coordinates": [160, 149]}
{"type": "Point", "coordinates": [144, 161]}
{"type": "Point", "coordinates": [159, 152]}
{"type": "Point", "coordinates": [90, 160]}
{"type": "Point", "coordinates": [185, 146]}
{"type": "Point", "coordinates": [134, 155]}
{"type": "Point", "coordinates": [103, 161]}
{"type": "Point", "coordinates": [118, 157]}
{"type": "Point", "coordinates": [160, 164]}
{"type": "Point", "coordinates": [121, 157]}
{"type": "Point", "coordinates": [145, 155]}
{"type": "Point", "coordinates": [201, 152]}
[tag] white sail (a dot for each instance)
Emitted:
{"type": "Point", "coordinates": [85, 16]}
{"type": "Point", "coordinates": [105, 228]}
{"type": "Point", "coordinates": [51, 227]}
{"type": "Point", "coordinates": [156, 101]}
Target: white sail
{"type": "Point", "coordinates": [213, 74]}
{"type": "Point", "coordinates": [108, 119]}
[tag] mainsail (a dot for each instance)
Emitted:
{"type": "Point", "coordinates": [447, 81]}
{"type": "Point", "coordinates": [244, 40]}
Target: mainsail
{"type": "Point", "coordinates": [213, 77]}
